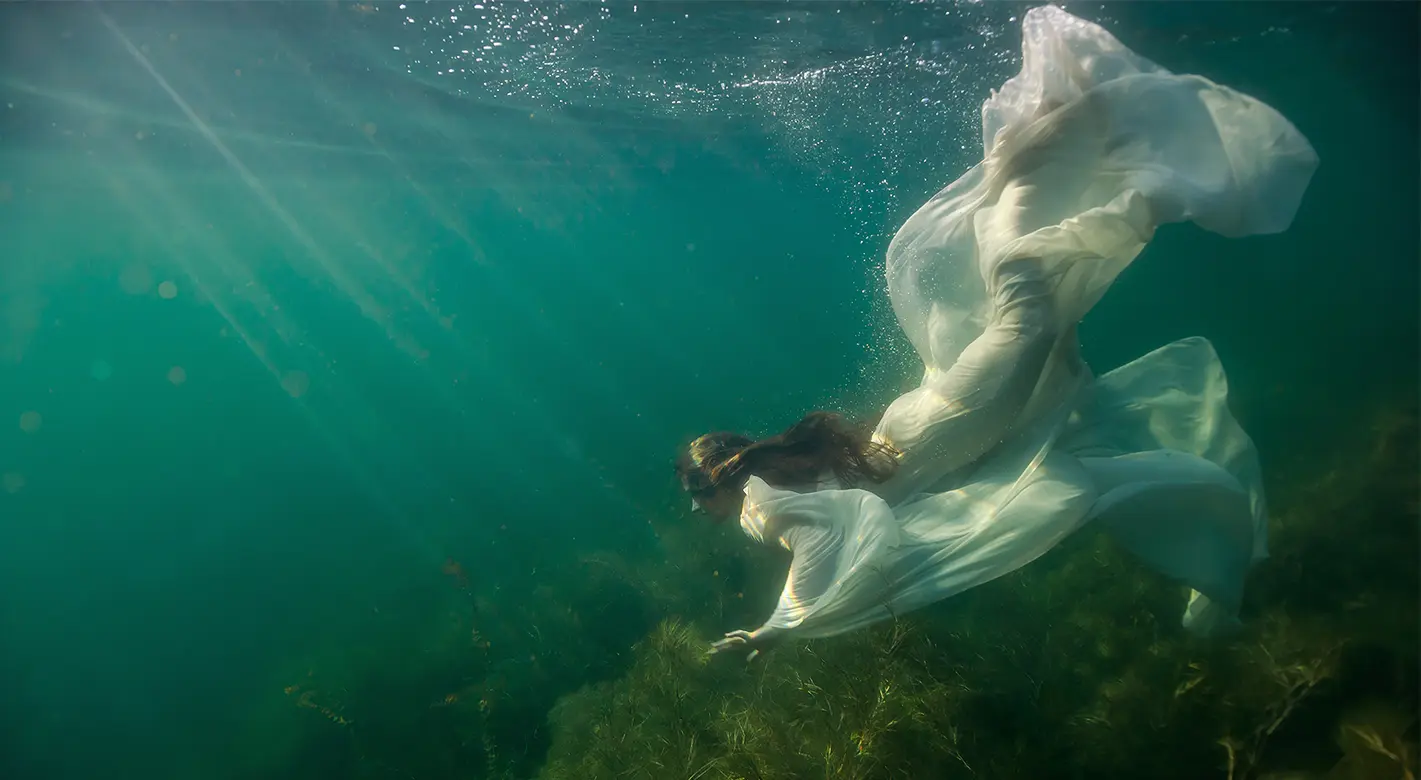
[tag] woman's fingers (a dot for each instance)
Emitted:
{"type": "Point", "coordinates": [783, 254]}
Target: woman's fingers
{"type": "Point", "coordinates": [727, 643]}
{"type": "Point", "coordinates": [732, 639]}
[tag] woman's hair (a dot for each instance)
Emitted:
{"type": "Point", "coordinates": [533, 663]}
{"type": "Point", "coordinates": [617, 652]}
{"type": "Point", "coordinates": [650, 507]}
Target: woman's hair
{"type": "Point", "coordinates": [820, 442]}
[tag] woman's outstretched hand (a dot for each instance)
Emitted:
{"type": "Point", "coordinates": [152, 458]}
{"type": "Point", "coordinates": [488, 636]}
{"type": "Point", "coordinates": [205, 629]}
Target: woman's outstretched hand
{"type": "Point", "coordinates": [758, 642]}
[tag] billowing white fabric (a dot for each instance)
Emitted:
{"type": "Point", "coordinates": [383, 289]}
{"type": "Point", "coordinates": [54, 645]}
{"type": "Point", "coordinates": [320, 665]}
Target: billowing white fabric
{"type": "Point", "coordinates": [1009, 444]}
{"type": "Point", "coordinates": [1178, 479]}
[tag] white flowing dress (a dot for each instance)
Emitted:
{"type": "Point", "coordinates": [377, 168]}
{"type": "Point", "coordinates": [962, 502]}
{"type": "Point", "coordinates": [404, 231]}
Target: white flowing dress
{"type": "Point", "coordinates": [1009, 443]}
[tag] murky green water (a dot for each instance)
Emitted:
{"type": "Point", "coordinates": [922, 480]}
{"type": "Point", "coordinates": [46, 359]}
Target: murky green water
{"type": "Point", "coordinates": [344, 348]}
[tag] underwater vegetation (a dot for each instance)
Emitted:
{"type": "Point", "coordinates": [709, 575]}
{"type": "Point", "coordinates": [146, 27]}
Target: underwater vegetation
{"type": "Point", "coordinates": [1073, 667]}
{"type": "Point", "coordinates": [457, 690]}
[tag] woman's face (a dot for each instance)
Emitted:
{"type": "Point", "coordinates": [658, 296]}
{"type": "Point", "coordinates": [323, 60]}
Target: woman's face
{"type": "Point", "coordinates": [695, 464]}
{"type": "Point", "coordinates": [719, 505]}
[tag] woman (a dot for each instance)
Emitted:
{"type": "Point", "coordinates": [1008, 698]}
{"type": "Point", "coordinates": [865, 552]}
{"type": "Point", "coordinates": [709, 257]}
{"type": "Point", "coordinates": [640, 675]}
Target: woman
{"type": "Point", "coordinates": [1009, 444]}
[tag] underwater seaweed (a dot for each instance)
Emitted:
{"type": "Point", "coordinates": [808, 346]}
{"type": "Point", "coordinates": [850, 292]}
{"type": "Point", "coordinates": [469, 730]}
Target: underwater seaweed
{"type": "Point", "coordinates": [1072, 667]}
{"type": "Point", "coordinates": [463, 690]}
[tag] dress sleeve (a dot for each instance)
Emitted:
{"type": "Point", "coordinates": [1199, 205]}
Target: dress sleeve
{"type": "Point", "coordinates": [841, 541]}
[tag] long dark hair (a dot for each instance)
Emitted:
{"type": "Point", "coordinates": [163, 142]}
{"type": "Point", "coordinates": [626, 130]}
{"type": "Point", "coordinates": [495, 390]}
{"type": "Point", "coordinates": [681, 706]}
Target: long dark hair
{"type": "Point", "coordinates": [820, 442]}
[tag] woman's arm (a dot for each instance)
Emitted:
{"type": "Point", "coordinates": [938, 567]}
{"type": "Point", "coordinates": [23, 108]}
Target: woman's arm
{"type": "Point", "coordinates": [841, 541]}
{"type": "Point", "coordinates": [959, 414]}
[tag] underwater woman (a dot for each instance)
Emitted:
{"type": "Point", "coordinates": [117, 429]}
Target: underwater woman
{"type": "Point", "coordinates": [1009, 443]}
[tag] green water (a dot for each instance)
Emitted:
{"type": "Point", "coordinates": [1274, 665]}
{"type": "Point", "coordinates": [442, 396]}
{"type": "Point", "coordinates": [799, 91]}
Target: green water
{"type": "Point", "coordinates": [299, 301]}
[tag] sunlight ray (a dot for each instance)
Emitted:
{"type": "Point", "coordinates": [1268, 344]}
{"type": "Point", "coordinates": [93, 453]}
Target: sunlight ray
{"type": "Point", "coordinates": [367, 304]}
